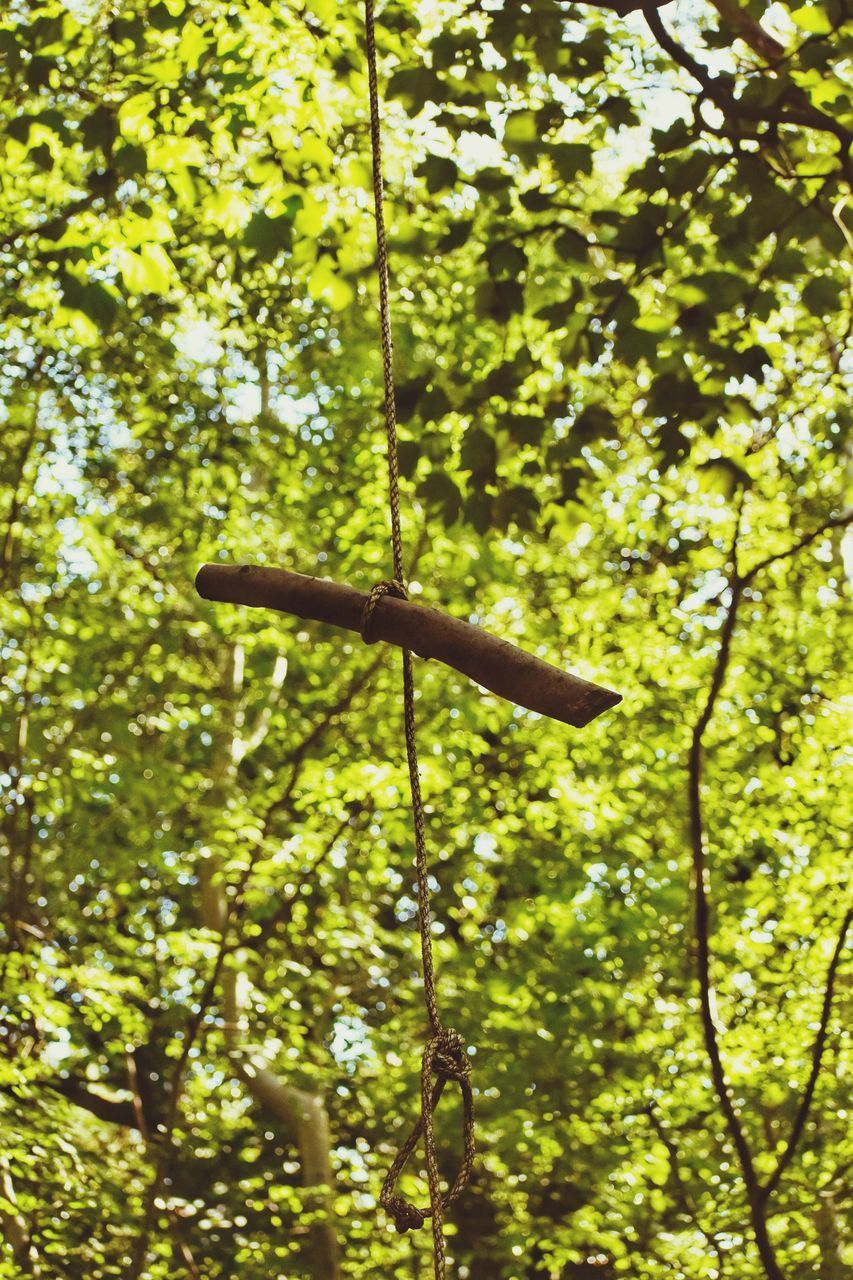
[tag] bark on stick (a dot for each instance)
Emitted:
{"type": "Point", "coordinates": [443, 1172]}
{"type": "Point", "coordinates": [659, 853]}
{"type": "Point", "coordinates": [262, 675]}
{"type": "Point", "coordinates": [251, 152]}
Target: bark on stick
{"type": "Point", "coordinates": [491, 662]}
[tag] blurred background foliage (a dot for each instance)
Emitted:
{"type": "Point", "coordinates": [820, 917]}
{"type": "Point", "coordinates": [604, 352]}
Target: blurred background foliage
{"type": "Point", "coordinates": [620, 248]}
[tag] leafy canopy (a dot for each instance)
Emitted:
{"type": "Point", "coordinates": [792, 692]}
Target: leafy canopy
{"type": "Point", "coordinates": [622, 318]}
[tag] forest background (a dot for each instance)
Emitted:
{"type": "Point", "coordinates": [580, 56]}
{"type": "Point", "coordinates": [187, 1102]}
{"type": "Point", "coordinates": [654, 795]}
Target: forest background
{"type": "Point", "coordinates": [620, 256]}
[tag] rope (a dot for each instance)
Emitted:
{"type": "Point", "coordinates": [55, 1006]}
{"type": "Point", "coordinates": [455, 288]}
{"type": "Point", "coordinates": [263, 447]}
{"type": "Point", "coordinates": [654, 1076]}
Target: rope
{"type": "Point", "coordinates": [444, 1056]}
{"type": "Point", "coordinates": [389, 588]}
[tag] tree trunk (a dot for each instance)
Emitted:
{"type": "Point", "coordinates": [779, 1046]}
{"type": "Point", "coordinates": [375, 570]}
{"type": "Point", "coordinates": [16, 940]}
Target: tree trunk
{"type": "Point", "coordinates": [304, 1118]}
{"type": "Point", "coordinates": [301, 1114]}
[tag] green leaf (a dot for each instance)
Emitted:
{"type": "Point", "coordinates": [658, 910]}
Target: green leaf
{"type": "Point", "coordinates": [479, 451]}
{"type": "Point", "coordinates": [441, 493]}
{"type": "Point", "coordinates": [440, 173]}
{"type": "Point", "coordinates": [572, 246]}
{"type": "Point", "coordinates": [269, 235]}
{"type": "Point", "coordinates": [822, 295]}
{"type": "Point", "coordinates": [434, 404]}
{"type": "Point", "coordinates": [151, 270]}
{"type": "Point", "coordinates": [326, 284]}
{"type": "Point", "coordinates": [39, 71]}
{"type": "Point", "coordinates": [516, 506]}
{"type": "Point", "coordinates": [594, 422]}
{"type": "Point", "coordinates": [725, 476]}
{"type": "Point", "coordinates": [99, 129]}
{"type": "Point", "coordinates": [416, 86]}
{"type": "Point", "coordinates": [506, 259]}
{"type": "Point", "coordinates": [524, 428]}
{"type": "Point", "coordinates": [812, 18]}
{"type": "Point", "coordinates": [93, 299]}
{"type": "Point", "coordinates": [521, 127]}
{"type": "Point", "coordinates": [456, 237]}
{"type": "Point", "coordinates": [571, 158]}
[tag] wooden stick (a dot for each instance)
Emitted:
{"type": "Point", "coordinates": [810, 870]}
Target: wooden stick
{"type": "Point", "coordinates": [493, 663]}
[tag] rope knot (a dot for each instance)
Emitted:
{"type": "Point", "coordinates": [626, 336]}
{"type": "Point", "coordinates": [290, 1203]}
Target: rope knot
{"type": "Point", "coordinates": [390, 587]}
{"type": "Point", "coordinates": [407, 1217]}
{"type": "Point", "coordinates": [444, 1057]}
{"type": "Point", "coordinates": [449, 1059]}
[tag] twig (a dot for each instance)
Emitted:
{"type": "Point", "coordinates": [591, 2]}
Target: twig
{"type": "Point", "coordinates": [835, 522]}
{"type": "Point", "coordinates": [756, 1192]}
{"type": "Point", "coordinates": [751, 31]}
{"type": "Point", "coordinates": [284, 911]}
{"type": "Point", "coordinates": [817, 1058]}
{"type": "Point", "coordinates": [294, 760]}
{"type": "Point", "coordinates": [48, 226]}
{"type": "Point", "coordinates": [715, 87]}
{"type": "Point", "coordinates": [701, 906]}
{"type": "Point", "coordinates": [685, 1199]}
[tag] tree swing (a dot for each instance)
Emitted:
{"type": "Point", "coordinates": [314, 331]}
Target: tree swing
{"type": "Point", "coordinates": [386, 613]}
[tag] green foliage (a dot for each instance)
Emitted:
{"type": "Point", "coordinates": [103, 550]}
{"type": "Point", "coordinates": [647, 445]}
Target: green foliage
{"type": "Point", "coordinates": [622, 318]}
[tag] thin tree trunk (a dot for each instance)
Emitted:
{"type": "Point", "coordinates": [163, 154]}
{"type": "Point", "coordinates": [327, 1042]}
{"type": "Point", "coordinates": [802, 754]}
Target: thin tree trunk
{"type": "Point", "coordinates": [301, 1114]}
{"type": "Point", "coordinates": [758, 1193]}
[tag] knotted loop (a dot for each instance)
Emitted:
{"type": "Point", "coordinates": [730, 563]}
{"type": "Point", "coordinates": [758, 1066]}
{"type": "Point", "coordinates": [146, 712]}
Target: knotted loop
{"type": "Point", "coordinates": [390, 587]}
{"type": "Point", "coordinates": [444, 1058]}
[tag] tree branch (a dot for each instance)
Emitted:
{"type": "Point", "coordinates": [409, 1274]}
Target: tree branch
{"type": "Point", "coordinates": [16, 486]}
{"type": "Point", "coordinates": [835, 522]}
{"type": "Point", "coordinates": [757, 1193]}
{"type": "Point", "coordinates": [283, 913]}
{"type": "Point", "coordinates": [139, 1110]}
{"type": "Point", "coordinates": [301, 1113]}
{"type": "Point", "coordinates": [750, 30]}
{"type": "Point", "coordinates": [817, 1058]}
{"type": "Point", "coordinates": [624, 7]}
{"type": "Point", "coordinates": [701, 909]}
{"type": "Point", "coordinates": [683, 1195]}
{"type": "Point", "coordinates": [326, 720]}
{"type": "Point", "coordinates": [111, 1110]}
{"type": "Point", "coordinates": [717, 89]}
{"type": "Point", "coordinates": [502, 667]}
{"type": "Point", "coordinates": [165, 1138]}
{"type": "Point", "coordinates": [48, 226]}
{"type": "Point", "coordinates": [225, 919]}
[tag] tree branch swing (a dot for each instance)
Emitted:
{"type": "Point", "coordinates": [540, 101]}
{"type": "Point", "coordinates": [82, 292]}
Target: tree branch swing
{"type": "Point", "coordinates": [386, 613]}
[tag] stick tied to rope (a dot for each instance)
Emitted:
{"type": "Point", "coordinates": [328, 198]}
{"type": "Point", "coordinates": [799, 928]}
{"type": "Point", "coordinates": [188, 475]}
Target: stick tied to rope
{"type": "Point", "coordinates": [444, 1058]}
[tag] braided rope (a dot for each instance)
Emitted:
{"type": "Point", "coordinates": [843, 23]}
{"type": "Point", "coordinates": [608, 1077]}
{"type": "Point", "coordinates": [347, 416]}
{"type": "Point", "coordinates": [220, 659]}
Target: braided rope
{"type": "Point", "coordinates": [391, 587]}
{"type": "Point", "coordinates": [444, 1056]}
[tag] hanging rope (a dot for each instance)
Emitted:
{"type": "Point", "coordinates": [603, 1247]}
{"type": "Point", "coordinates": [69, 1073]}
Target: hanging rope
{"type": "Point", "coordinates": [444, 1058]}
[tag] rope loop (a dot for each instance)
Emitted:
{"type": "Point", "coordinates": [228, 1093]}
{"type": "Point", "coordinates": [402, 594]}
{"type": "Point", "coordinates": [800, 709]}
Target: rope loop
{"type": "Point", "coordinates": [444, 1058]}
{"type": "Point", "coordinates": [390, 587]}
